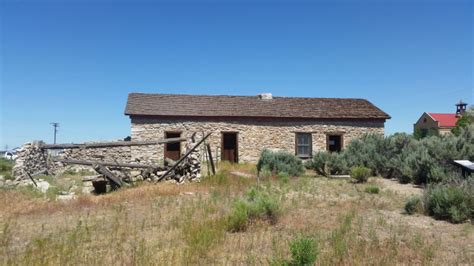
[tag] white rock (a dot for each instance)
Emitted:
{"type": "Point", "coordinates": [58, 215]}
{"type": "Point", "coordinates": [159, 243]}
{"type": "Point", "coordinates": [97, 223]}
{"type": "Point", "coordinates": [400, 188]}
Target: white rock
{"type": "Point", "coordinates": [87, 190]}
{"type": "Point", "coordinates": [43, 186]}
{"type": "Point", "coordinates": [65, 197]}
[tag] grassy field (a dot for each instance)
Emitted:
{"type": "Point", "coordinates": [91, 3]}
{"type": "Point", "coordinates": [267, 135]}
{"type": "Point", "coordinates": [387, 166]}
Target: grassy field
{"type": "Point", "coordinates": [189, 224]}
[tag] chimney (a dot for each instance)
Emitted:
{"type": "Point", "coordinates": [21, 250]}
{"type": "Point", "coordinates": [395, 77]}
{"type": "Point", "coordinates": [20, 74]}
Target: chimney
{"type": "Point", "coordinates": [460, 108]}
{"type": "Point", "coordinates": [265, 96]}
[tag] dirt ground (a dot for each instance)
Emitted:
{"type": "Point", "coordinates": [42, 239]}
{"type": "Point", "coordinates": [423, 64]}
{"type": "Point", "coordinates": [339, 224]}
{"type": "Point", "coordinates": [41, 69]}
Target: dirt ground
{"type": "Point", "coordinates": [171, 224]}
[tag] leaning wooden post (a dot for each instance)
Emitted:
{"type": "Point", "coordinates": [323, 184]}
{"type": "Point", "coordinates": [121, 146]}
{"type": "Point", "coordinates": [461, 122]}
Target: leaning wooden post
{"type": "Point", "coordinates": [208, 148]}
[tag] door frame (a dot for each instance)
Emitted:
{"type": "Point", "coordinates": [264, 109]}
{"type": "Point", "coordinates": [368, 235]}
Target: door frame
{"type": "Point", "coordinates": [236, 155]}
{"type": "Point", "coordinates": [165, 148]}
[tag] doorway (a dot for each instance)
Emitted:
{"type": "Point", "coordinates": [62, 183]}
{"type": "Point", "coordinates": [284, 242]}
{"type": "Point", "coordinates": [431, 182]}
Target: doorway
{"type": "Point", "coordinates": [229, 149]}
{"type": "Point", "coordinates": [173, 150]}
{"type": "Point", "coordinates": [334, 143]}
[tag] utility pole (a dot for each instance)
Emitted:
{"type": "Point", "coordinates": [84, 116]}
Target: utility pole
{"type": "Point", "coordinates": [55, 125]}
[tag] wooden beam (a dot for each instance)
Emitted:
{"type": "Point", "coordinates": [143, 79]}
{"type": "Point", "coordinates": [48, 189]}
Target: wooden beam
{"type": "Point", "coordinates": [110, 144]}
{"type": "Point", "coordinates": [32, 179]}
{"type": "Point", "coordinates": [108, 164]}
{"type": "Point", "coordinates": [109, 175]}
{"type": "Point", "coordinates": [184, 157]}
{"type": "Point", "coordinates": [209, 153]}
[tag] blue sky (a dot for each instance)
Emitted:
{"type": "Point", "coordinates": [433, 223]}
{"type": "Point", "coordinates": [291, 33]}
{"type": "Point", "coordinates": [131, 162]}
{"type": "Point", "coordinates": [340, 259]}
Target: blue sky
{"type": "Point", "coordinates": [75, 62]}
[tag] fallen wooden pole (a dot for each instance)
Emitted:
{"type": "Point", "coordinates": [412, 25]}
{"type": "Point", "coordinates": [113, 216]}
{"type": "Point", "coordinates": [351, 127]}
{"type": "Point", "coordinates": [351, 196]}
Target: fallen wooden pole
{"type": "Point", "coordinates": [184, 157]}
{"type": "Point", "coordinates": [31, 175]}
{"type": "Point", "coordinates": [109, 175]}
{"type": "Point", "coordinates": [109, 144]}
{"type": "Point", "coordinates": [109, 164]}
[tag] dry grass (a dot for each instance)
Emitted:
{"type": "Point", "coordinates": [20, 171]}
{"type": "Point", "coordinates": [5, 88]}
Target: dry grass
{"type": "Point", "coordinates": [184, 224]}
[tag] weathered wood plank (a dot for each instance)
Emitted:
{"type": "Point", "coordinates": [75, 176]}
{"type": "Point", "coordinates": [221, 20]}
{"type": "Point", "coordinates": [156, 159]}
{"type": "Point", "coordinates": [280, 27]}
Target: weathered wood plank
{"type": "Point", "coordinates": [209, 153]}
{"type": "Point", "coordinates": [110, 144]}
{"type": "Point", "coordinates": [109, 175]}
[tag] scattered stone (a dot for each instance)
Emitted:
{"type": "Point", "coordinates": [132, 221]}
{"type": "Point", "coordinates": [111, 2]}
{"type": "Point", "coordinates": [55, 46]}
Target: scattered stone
{"type": "Point", "coordinates": [31, 159]}
{"type": "Point", "coordinates": [241, 174]}
{"type": "Point", "coordinates": [42, 185]}
{"type": "Point", "coordinates": [87, 190]}
{"type": "Point", "coordinates": [66, 197]}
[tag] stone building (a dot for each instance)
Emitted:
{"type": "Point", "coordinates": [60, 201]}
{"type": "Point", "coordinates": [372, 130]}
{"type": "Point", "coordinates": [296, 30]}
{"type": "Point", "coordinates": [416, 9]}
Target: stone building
{"type": "Point", "coordinates": [438, 123]}
{"type": "Point", "coordinates": [242, 126]}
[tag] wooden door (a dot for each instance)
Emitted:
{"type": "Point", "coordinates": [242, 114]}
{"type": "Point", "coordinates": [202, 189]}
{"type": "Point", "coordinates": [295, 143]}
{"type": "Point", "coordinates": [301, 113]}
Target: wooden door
{"type": "Point", "coordinates": [229, 147]}
{"type": "Point", "coordinates": [173, 150]}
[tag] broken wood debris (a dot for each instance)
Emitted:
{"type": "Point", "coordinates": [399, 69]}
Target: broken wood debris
{"type": "Point", "coordinates": [191, 150]}
{"type": "Point", "coordinates": [115, 181]}
{"type": "Point", "coordinates": [115, 175]}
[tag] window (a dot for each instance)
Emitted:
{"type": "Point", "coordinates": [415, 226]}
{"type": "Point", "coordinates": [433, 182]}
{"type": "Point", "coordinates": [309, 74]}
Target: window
{"type": "Point", "coordinates": [334, 143]}
{"type": "Point", "coordinates": [303, 144]}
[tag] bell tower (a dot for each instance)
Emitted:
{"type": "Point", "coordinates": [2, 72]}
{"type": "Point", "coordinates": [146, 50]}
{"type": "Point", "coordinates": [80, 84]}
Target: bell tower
{"type": "Point", "coordinates": [460, 108]}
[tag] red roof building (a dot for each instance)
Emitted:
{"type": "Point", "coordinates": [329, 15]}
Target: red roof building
{"type": "Point", "coordinates": [437, 123]}
{"type": "Point", "coordinates": [444, 120]}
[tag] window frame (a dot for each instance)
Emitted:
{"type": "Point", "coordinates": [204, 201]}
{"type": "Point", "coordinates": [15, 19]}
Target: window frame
{"type": "Point", "coordinates": [309, 145]}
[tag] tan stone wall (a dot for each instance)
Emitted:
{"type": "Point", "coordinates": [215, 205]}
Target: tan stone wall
{"type": "Point", "coordinates": [120, 154]}
{"type": "Point", "coordinates": [426, 122]}
{"type": "Point", "coordinates": [253, 135]}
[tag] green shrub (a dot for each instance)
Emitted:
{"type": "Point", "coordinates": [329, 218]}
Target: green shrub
{"type": "Point", "coordinates": [372, 189]}
{"type": "Point", "coordinates": [320, 163]}
{"type": "Point", "coordinates": [360, 174]}
{"type": "Point", "coordinates": [278, 162]}
{"type": "Point", "coordinates": [220, 178]}
{"type": "Point", "coordinates": [400, 156]}
{"type": "Point", "coordinates": [256, 204]}
{"type": "Point", "coordinates": [200, 237]}
{"type": "Point", "coordinates": [366, 152]}
{"type": "Point", "coordinates": [238, 220]}
{"type": "Point", "coordinates": [303, 251]}
{"type": "Point", "coordinates": [325, 163]}
{"type": "Point", "coordinates": [284, 177]}
{"type": "Point", "coordinates": [6, 167]}
{"type": "Point", "coordinates": [413, 205]}
{"type": "Point", "coordinates": [453, 202]}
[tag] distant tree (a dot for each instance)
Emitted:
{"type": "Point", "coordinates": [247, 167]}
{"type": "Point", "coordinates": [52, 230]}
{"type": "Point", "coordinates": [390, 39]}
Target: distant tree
{"type": "Point", "coordinates": [464, 121]}
{"type": "Point", "coordinates": [424, 132]}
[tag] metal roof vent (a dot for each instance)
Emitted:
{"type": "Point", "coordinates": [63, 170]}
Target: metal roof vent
{"type": "Point", "coordinates": [265, 96]}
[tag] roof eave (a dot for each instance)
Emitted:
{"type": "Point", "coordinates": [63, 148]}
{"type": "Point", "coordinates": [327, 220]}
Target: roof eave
{"type": "Point", "coordinates": [256, 117]}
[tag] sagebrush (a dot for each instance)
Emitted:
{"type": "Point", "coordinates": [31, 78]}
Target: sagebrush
{"type": "Point", "coordinates": [280, 162]}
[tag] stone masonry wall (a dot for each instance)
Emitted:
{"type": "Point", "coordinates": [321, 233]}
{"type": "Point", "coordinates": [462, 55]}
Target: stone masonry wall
{"type": "Point", "coordinates": [253, 135]}
{"type": "Point", "coordinates": [120, 154]}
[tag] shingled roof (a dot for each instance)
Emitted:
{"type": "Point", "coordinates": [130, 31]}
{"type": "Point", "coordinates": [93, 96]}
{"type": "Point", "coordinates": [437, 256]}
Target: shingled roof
{"type": "Point", "coordinates": [250, 106]}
